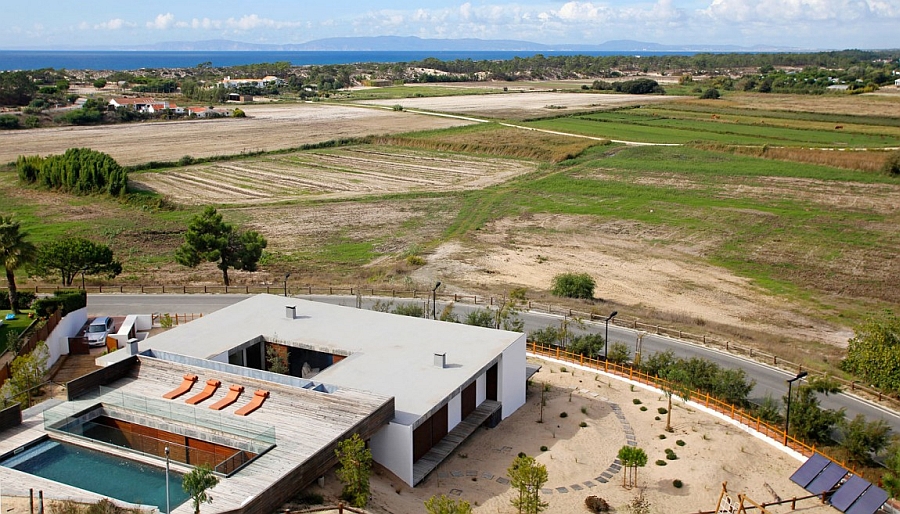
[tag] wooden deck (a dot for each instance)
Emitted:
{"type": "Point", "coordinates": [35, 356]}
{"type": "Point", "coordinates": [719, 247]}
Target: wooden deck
{"type": "Point", "coordinates": [451, 441]}
{"type": "Point", "coordinates": [308, 425]}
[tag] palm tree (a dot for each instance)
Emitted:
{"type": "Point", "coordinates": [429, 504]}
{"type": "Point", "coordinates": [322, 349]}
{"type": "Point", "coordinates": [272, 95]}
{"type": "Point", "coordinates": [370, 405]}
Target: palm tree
{"type": "Point", "coordinates": [15, 252]}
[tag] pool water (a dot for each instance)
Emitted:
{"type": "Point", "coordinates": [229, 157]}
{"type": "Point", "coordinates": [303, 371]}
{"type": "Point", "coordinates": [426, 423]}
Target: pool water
{"type": "Point", "coordinates": [100, 473]}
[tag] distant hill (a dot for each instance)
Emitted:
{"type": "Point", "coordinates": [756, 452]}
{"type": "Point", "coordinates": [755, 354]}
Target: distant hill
{"type": "Point", "coordinates": [413, 43]}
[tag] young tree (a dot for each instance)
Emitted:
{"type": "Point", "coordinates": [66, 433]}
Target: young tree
{"type": "Point", "coordinates": [276, 358]}
{"type": "Point", "coordinates": [443, 505]}
{"type": "Point", "coordinates": [527, 477]}
{"type": "Point", "coordinates": [15, 252]}
{"type": "Point", "coordinates": [809, 421]}
{"type": "Point", "coordinates": [674, 381]}
{"type": "Point", "coordinates": [861, 438]}
{"type": "Point", "coordinates": [573, 285]}
{"type": "Point", "coordinates": [210, 238]}
{"type": "Point", "coordinates": [27, 372]}
{"type": "Point", "coordinates": [197, 482]}
{"type": "Point", "coordinates": [873, 353]}
{"type": "Point", "coordinates": [76, 255]}
{"type": "Point", "coordinates": [356, 467]}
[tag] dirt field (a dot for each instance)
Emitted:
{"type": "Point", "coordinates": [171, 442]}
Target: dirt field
{"type": "Point", "coordinates": [267, 127]}
{"type": "Point", "coordinates": [714, 451]}
{"type": "Point", "coordinates": [875, 104]}
{"type": "Point", "coordinates": [523, 104]}
{"type": "Point", "coordinates": [336, 173]}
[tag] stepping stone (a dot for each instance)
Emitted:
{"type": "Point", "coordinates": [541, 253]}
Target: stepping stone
{"type": "Point", "coordinates": [547, 491]}
{"type": "Point", "coordinates": [576, 487]}
{"type": "Point", "coordinates": [562, 490]}
{"type": "Point", "coordinates": [606, 474]}
{"type": "Point", "coordinates": [443, 474]}
{"type": "Point", "coordinates": [456, 473]}
{"type": "Point", "coordinates": [602, 480]}
{"type": "Point", "coordinates": [471, 473]}
{"type": "Point", "coordinates": [612, 471]}
{"type": "Point", "coordinates": [455, 492]}
{"type": "Point", "coordinates": [501, 480]}
{"type": "Point", "coordinates": [487, 476]}
{"type": "Point", "coordinates": [589, 484]}
{"type": "Point", "coordinates": [617, 461]}
{"type": "Point", "coordinates": [616, 467]}
{"type": "Point", "coordinates": [632, 443]}
{"type": "Point", "coordinates": [594, 395]}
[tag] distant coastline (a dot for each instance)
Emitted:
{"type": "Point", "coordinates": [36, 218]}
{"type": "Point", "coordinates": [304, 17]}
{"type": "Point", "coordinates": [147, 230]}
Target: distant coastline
{"type": "Point", "coordinates": [134, 60]}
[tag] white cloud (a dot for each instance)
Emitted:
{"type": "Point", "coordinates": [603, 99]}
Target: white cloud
{"type": "Point", "coordinates": [780, 11]}
{"type": "Point", "coordinates": [114, 24]}
{"type": "Point", "coordinates": [162, 22]}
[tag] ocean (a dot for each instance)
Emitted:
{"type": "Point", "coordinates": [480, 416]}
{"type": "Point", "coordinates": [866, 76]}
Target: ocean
{"type": "Point", "coordinates": [128, 60]}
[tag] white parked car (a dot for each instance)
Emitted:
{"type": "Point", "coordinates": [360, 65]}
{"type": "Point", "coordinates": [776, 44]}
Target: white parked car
{"type": "Point", "coordinates": [98, 330]}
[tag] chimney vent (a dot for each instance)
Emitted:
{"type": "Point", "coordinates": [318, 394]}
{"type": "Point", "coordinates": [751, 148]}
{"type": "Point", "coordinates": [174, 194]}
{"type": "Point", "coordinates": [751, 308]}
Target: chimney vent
{"type": "Point", "coordinates": [440, 360]}
{"type": "Point", "coordinates": [290, 311]}
{"type": "Point", "coordinates": [132, 346]}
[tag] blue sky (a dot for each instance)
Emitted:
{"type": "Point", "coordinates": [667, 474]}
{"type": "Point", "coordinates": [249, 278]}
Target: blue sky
{"type": "Point", "coordinates": [807, 24]}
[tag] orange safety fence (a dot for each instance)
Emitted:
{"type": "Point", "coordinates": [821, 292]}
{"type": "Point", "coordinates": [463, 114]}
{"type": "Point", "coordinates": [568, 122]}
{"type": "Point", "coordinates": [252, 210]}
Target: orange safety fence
{"type": "Point", "coordinates": [703, 398]}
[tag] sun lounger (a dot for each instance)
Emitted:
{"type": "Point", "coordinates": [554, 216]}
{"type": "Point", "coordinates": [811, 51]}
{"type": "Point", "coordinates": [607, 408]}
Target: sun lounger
{"type": "Point", "coordinates": [256, 402]}
{"type": "Point", "coordinates": [209, 390]}
{"type": "Point", "coordinates": [185, 386]}
{"type": "Point", "coordinates": [233, 393]}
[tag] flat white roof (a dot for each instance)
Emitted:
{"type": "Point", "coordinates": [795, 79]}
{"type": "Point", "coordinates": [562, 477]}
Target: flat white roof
{"type": "Point", "coordinates": [388, 354]}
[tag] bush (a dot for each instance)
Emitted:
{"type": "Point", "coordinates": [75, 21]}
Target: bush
{"type": "Point", "coordinates": [710, 94]}
{"type": "Point", "coordinates": [543, 448]}
{"type": "Point", "coordinates": [677, 484]}
{"type": "Point", "coordinates": [583, 424]}
{"type": "Point", "coordinates": [596, 504]}
{"type": "Point", "coordinates": [636, 401]}
{"type": "Point", "coordinates": [573, 285]}
{"type": "Point", "coordinates": [670, 454]}
{"type": "Point", "coordinates": [414, 310]}
{"type": "Point", "coordinates": [79, 170]}
{"type": "Point", "coordinates": [309, 498]}
{"type": "Point", "coordinates": [68, 301]}
{"type": "Point", "coordinates": [25, 299]}
{"type": "Point", "coordinates": [643, 408]}
{"type": "Point", "coordinates": [891, 165]}
{"type": "Point", "coordinates": [238, 113]}
{"type": "Point", "coordinates": [660, 462]}
{"type": "Point", "coordinates": [662, 410]}
{"type": "Point", "coordinates": [662, 436]}
{"type": "Point", "coordinates": [9, 122]}
{"type": "Point", "coordinates": [679, 442]}
{"type": "Point", "coordinates": [564, 414]}
{"type": "Point", "coordinates": [415, 260]}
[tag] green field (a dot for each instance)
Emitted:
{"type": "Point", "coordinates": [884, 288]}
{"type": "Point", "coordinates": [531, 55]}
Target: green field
{"type": "Point", "coordinates": [12, 328]}
{"type": "Point", "coordinates": [738, 127]}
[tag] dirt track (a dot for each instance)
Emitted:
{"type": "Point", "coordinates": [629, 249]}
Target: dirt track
{"type": "Point", "coordinates": [268, 127]}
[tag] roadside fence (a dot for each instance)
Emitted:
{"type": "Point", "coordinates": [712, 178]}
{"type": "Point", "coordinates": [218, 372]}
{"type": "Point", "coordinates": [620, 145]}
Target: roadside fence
{"type": "Point", "coordinates": [736, 413]}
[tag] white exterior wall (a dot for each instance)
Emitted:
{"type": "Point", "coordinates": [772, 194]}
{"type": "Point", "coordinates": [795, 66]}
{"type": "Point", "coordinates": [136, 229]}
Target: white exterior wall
{"type": "Point", "coordinates": [223, 357]}
{"type": "Point", "coordinates": [392, 447]}
{"type": "Point", "coordinates": [511, 379]}
{"type": "Point", "coordinates": [480, 389]}
{"type": "Point", "coordinates": [454, 411]}
{"type": "Point", "coordinates": [58, 340]}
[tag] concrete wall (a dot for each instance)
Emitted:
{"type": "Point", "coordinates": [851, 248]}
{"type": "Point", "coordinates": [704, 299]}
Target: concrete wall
{"type": "Point", "coordinates": [481, 389]}
{"type": "Point", "coordinates": [454, 411]}
{"type": "Point", "coordinates": [58, 340]}
{"type": "Point", "coordinates": [511, 379]}
{"type": "Point", "coordinates": [392, 447]}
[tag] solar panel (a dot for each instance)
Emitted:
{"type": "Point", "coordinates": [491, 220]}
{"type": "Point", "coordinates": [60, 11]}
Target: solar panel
{"type": "Point", "coordinates": [869, 502]}
{"type": "Point", "coordinates": [809, 470]}
{"type": "Point", "coordinates": [849, 492]}
{"type": "Point", "coordinates": [827, 479]}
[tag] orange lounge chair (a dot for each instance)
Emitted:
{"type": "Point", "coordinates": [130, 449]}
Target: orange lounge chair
{"type": "Point", "coordinates": [209, 390]}
{"type": "Point", "coordinates": [185, 386]}
{"type": "Point", "coordinates": [256, 402]}
{"type": "Point", "coordinates": [233, 393]}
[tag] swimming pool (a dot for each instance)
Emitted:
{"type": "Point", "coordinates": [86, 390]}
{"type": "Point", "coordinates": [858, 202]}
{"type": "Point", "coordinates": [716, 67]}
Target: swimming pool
{"type": "Point", "coordinates": [98, 472]}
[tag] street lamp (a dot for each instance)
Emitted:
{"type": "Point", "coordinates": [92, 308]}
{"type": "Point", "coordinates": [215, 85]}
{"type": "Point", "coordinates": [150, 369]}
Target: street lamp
{"type": "Point", "coordinates": [286, 276]}
{"type": "Point", "coordinates": [167, 480]}
{"type": "Point", "coordinates": [606, 338]}
{"type": "Point", "coordinates": [434, 300]}
{"type": "Point", "coordinates": [787, 411]}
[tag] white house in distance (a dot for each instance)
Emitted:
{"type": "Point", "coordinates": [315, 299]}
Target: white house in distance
{"type": "Point", "coordinates": [260, 83]}
{"type": "Point", "coordinates": [444, 378]}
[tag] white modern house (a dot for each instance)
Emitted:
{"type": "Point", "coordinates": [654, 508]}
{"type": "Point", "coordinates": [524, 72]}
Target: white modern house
{"type": "Point", "coordinates": [444, 378]}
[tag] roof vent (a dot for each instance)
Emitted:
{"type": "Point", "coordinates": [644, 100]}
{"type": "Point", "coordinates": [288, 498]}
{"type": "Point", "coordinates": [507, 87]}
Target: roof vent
{"type": "Point", "coordinates": [440, 360]}
{"type": "Point", "coordinates": [290, 311]}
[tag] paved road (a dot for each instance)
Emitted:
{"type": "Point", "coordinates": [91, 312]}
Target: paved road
{"type": "Point", "coordinates": [768, 380]}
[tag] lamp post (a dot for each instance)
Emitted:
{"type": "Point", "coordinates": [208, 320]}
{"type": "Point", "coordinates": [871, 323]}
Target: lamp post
{"type": "Point", "coordinates": [434, 300]}
{"type": "Point", "coordinates": [606, 337]}
{"type": "Point", "coordinates": [787, 411]}
{"type": "Point", "coordinates": [286, 276]}
{"type": "Point", "coordinates": [167, 480]}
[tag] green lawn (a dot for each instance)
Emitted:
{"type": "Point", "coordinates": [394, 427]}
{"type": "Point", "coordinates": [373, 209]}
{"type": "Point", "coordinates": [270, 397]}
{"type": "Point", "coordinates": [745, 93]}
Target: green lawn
{"type": "Point", "coordinates": [13, 327]}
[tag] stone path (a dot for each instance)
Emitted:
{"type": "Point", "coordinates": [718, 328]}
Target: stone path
{"type": "Point", "coordinates": [603, 478]}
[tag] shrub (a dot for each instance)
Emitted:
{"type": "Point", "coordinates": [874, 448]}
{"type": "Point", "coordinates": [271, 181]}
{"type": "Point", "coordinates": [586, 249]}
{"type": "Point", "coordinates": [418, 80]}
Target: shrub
{"type": "Point", "coordinates": [186, 160]}
{"type": "Point", "coordinates": [677, 484]}
{"type": "Point", "coordinates": [662, 410]}
{"type": "Point", "coordinates": [563, 414]}
{"type": "Point", "coordinates": [660, 462]}
{"type": "Point", "coordinates": [415, 260]}
{"type": "Point", "coordinates": [596, 504]}
{"type": "Point", "coordinates": [68, 301]}
{"type": "Point", "coordinates": [238, 113]}
{"type": "Point", "coordinates": [643, 408]}
{"type": "Point", "coordinates": [563, 369]}
{"type": "Point", "coordinates": [79, 170]}
{"type": "Point", "coordinates": [414, 310]}
{"type": "Point", "coordinates": [636, 401]}
{"type": "Point", "coordinates": [573, 285]}
{"type": "Point", "coordinates": [670, 454]}
{"type": "Point", "coordinates": [662, 436]}
{"type": "Point", "coordinates": [397, 107]}
{"type": "Point", "coordinates": [584, 410]}
{"type": "Point", "coordinates": [309, 498]}
{"type": "Point", "coordinates": [9, 122]}
{"type": "Point", "coordinates": [583, 424]}
{"type": "Point", "coordinates": [891, 165]}
{"type": "Point", "coordinates": [710, 94]}
{"type": "Point", "coordinates": [679, 442]}
{"type": "Point", "coordinates": [25, 298]}
{"type": "Point", "coordinates": [543, 448]}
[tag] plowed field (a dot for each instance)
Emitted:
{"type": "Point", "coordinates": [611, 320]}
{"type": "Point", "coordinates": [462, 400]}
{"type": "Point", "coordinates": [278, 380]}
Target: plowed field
{"type": "Point", "coordinates": [342, 172]}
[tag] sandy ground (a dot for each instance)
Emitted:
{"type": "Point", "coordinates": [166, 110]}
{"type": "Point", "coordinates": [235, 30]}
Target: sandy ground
{"type": "Point", "coordinates": [267, 127]}
{"type": "Point", "coordinates": [715, 451]}
{"type": "Point", "coordinates": [522, 104]}
{"type": "Point", "coordinates": [630, 265]}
